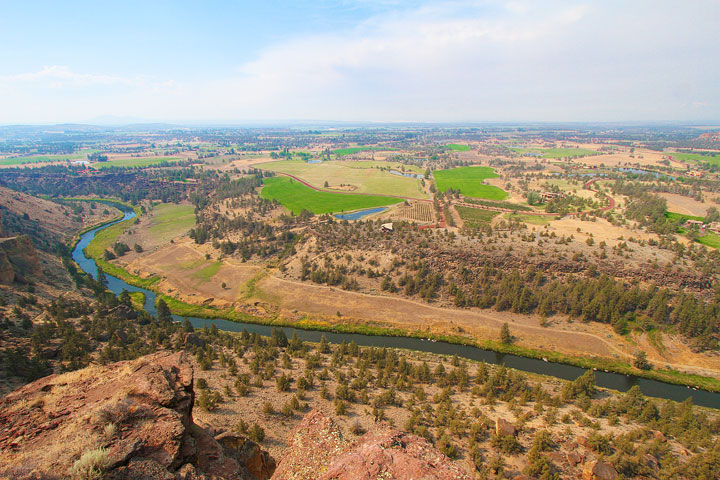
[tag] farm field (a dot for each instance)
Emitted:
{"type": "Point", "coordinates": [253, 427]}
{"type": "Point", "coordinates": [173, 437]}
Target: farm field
{"type": "Point", "coordinates": [469, 180]}
{"type": "Point", "coordinates": [415, 212]}
{"type": "Point", "coordinates": [695, 157]}
{"type": "Point", "coordinates": [351, 150]}
{"type": "Point", "coordinates": [531, 219]}
{"type": "Point", "coordinates": [456, 147]}
{"type": "Point", "coordinates": [475, 217]}
{"type": "Point", "coordinates": [682, 217]}
{"type": "Point", "coordinates": [360, 177]}
{"type": "Point", "coordinates": [135, 162]}
{"type": "Point", "coordinates": [82, 155]}
{"type": "Point", "coordinates": [170, 220]}
{"type": "Point", "coordinates": [558, 152]}
{"type": "Point", "coordinates": [295, 196]}
{"type": "Point", "coordinates": [710, 239]}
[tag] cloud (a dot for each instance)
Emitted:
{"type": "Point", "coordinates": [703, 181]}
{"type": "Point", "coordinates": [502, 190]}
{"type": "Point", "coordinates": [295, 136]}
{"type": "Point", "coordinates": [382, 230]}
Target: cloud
{"type": "Point", "coordinates": [457, 60]}
{"type": "Point", "coordinates": [58, 75]}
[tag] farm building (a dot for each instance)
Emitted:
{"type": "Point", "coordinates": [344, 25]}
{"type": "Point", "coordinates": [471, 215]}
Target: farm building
{"type": "Point", "coordinates": [547, 196]}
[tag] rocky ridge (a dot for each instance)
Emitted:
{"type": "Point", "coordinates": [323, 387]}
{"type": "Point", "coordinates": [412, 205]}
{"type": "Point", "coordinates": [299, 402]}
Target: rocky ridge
{"type": "Point", "coordinates": [128, 420]}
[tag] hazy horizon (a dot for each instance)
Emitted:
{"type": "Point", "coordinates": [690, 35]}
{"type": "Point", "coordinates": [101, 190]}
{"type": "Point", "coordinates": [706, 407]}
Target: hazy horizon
{"type": "Point", "coordinates": [360, 61]}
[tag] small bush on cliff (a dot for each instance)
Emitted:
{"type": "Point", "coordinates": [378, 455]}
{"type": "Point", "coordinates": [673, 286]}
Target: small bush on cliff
{"type": "Point", "coordinates": [256, 433]}
{"type": "Point", "coordinates": [91, 465]}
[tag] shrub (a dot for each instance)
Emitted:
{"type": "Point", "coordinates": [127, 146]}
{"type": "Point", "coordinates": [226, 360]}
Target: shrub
{"type": "Point", "coordinates": [91, 465]}
{"type": "Point", "coordinates": [256, 433]}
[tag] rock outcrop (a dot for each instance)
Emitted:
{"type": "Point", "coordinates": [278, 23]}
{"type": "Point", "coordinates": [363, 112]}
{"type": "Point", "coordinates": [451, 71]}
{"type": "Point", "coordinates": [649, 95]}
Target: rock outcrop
{"type": "Point", "coordinates": [318, 450]}
{"type": "Point", "coordinates": [18, 260]}
{"type": "Point", "coordinates": [128, 420]}
{"type": "Point", "coordinates": [599, 470]}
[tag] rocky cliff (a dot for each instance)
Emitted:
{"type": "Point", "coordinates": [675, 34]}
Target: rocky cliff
{"type": "Point", "coordinates": [318, 450]}
{"type": "Point", "coordinates": [18, 259]}
{"type": "Point", "coordinates": [129, 420]}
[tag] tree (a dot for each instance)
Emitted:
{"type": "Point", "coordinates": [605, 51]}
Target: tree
{"type": "Point", "coordinates": [712, 215]}
{"type": "Point", "coordinates": [641, 361]}
{"type": "Point", "coordinates": [163, 311]}
{"type": "Point", "coordinates": [505, 336]}
{"type": "Point", "coordinates": [101, 278]}
{"type": "Point", "coordinates": [533, 197]}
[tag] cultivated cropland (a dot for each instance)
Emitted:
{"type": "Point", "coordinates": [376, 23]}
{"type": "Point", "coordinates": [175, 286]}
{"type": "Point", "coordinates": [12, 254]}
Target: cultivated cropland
{"type": "Point", "coordinates": [349, 302]}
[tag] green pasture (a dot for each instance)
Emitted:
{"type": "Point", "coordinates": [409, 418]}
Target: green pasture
{"type": "Point", "coordinates": [682, 217]}
{"type": "Point", "coordinates": [135, 162]}
{"type": "Point", "coordinates": [531, 219]}
{"type": "Point", "coordinates": [351, 150]}
{"type": "Point", "coordinates": [558, 152]}
{"type": "Point", "coordinates": [295, 196]}
{"type": "Point", "coordinates": [469, 180]}
{"type": "Point", "coordinates": [362, 175]}
{"type": "Point", "coordinates": [82, 155]}
{"type": "Point", "coordinates": [169, 220]}
{"type": "Point", "coordinates": [456, 147]}
{"type": "Point", "coordinates": [475, 217]}
{"type": "Point", "coordinates": [206, 273]}
{"type": "Point", "coordinates": [695, 157]}
{"type": "Point", "coordinates": [710, 239]}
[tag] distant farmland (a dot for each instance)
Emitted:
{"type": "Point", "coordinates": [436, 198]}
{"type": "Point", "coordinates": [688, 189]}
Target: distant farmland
{"type": "Point", "coordinates": [295, 196]}
{"type": "Point", "coordinates": [351, 150]}
{"type": "Point", "coordinates": [136, 162]}
{"type": "Point", "coordinates": [45, 158]}
{"type": "Point", "coordinates": [469, 180]}
{"type": "Point", "coordinates": [558, 152]}
{"type": "Point", "coordinates": [456, 147]}
{"type": "Point", "coordinates": [696, 157]}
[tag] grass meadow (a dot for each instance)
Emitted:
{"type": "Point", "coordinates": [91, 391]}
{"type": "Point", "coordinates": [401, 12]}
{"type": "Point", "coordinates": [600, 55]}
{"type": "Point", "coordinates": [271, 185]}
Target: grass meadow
{"type": "Point", "coordinates": [558, 152]}
{"type": "Point", "coordinates": [170, 220]}
{"type": "Point", "coordinates": [135, 162]}
{"type": "Point", "coordinates": [365, 176]}
{"type": "Point", "coordinates": [475, 217]}
{"type": "Point", "coordinates": [469, 180]}
{"type": "Point", "coordinates": [295, 196]}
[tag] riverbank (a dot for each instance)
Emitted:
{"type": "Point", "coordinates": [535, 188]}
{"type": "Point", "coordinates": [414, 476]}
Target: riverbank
{"type": "Point", "coordinates": [183, 309]}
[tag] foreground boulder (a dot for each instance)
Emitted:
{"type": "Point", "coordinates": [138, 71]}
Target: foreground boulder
{"type": "Point", "coordinates": [318, 450]}
{"type": "Point", "coordinates": [599, 470]}
{"type": "Point", "coordinates": [128, 420]}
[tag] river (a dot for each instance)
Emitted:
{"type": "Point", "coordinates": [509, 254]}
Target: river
{"type": "Point", "coordinates": [614, 381]}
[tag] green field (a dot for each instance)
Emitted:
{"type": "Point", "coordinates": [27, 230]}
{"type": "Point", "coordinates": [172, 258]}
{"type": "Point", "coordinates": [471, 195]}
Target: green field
{"type": "Point", "coordinates": [469, 180]}
{"type": "Point", "coordinates": [710, 239]}
{"type": "Point", "coordinates": [558, 152]}
{"type": "Point", "coordinates": [135, 162]}
{"type": "Point", "coordinates": [295, 196]}
{"type": "Point", "coordinates": [364, 176]}
{"type": "Point", "coordinates": [351, 150]}
{"type": "Point", "coordinates": [475, 217]}
{"type": "Point", "coordinates": [138, 300]}
{"type": "Point", "coordinates": [456, 147]}
{"type": "Point", "coordinates": [531, 219]}
{"type": "Point", "coordinates": [169, 220]}
{"type": "Point", "coordinates": [695, 157]}
{"type": "Point", "coordinates": [82, 155]}
{"type": "Point", "coordinates": [206, 273]}
{"type": "Point", "coordinates": [683, 218]}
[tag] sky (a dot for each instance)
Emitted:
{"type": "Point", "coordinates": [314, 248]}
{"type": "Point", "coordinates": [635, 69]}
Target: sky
{"type": "Point", "coordinates": [236, 62]}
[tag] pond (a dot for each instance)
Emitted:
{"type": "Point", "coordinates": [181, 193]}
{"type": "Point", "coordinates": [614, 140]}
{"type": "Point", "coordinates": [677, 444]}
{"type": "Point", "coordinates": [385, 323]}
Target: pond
{"type": "Point", "coordinates": [407, 174]}
{"type": "Point", "coordinates": [359, 214]}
